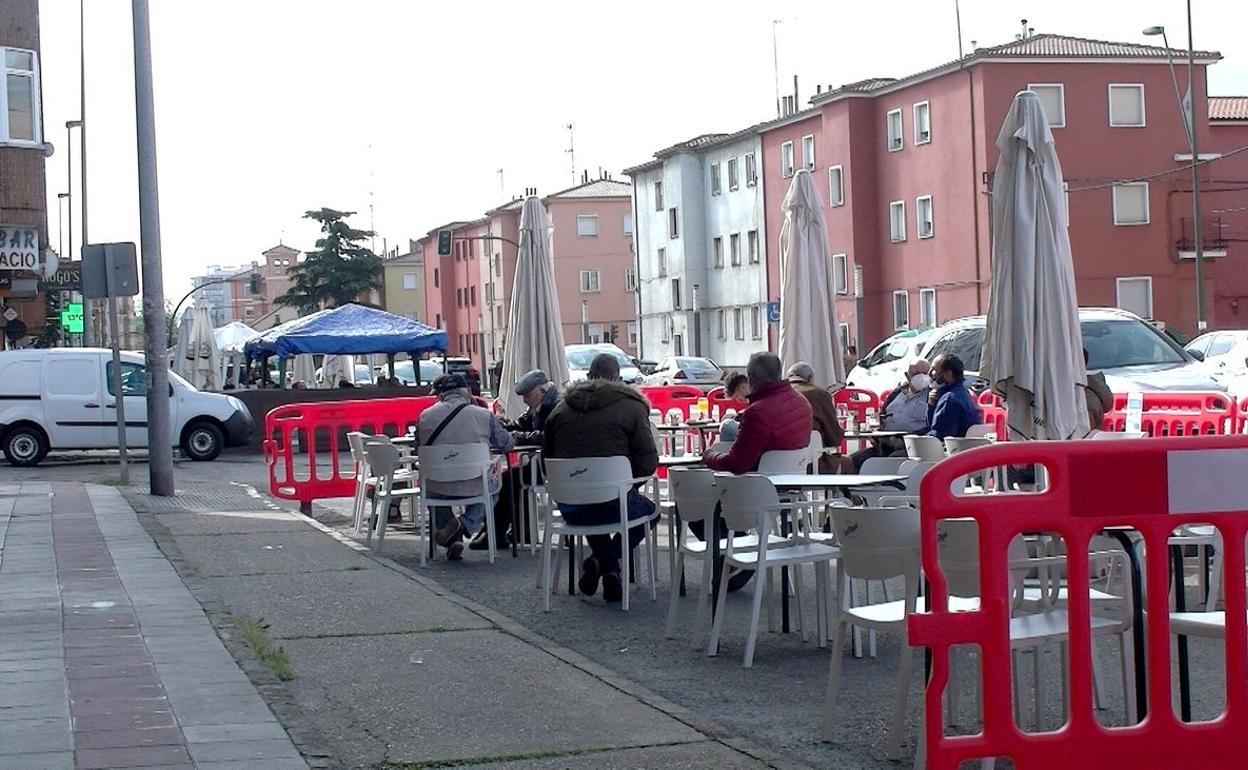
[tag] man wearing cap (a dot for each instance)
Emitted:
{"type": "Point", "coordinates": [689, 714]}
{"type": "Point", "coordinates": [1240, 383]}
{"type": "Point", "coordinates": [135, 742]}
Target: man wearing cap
{"type": "Point", "coordinates": [457, 419]}
{"type": "Point", "coordinates": [540, 396]}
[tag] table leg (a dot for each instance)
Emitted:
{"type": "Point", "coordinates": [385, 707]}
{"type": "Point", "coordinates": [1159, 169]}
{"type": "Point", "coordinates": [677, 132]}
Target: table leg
{"type": "Point", "coordinates": [515, 508]}
{"type": "Point", "coordinates": [1137, 622]}
{"type": "Point", "coordinates": [1180, 605]}
{"type": "Point", "coordinates": [570, 544]}
{"type": "Point", "coordinates": [785, 528]}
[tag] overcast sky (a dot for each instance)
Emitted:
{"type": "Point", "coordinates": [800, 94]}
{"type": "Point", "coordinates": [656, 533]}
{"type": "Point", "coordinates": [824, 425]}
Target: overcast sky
{"type": "Point", "coordinates": [268, 108]}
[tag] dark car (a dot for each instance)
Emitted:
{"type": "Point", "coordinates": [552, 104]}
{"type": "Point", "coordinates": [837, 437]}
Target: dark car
{"type": "Point", "coordinates": [462, 366]}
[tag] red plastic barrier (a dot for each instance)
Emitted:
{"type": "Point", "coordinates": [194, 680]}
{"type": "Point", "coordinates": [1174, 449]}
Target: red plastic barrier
{"type": "Point", "coordinates": [857, 401]}
{"type": "Point", "coordinates": [664, 397]}
{"type": "Point", "coordinates": [1173, 413]}
{"type": "Point", "coordinates": [316, 433]}
{"type": "Point", "coordinates": [1150, 486]}
{"type": "Point", "coordinates": [717, 397]}
{"type": "Point", "coordinates": [1241, 424]}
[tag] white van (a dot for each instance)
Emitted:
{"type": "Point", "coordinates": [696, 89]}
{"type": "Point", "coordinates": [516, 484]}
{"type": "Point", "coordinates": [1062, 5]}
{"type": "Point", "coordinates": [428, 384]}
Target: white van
{"type": "Point", "coordinates": [63, 398]}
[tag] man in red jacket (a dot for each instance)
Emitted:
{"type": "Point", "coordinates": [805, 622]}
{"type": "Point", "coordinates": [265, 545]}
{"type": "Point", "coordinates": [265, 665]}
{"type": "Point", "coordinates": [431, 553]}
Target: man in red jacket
{"type": "Point", "coordinates": [778, 417]}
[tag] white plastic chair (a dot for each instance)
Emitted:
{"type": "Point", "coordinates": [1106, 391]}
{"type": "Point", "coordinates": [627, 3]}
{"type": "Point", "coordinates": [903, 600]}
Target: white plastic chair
{"type": "Point", "coordinates": [386, 464]}
{"type": "Point", "coordinates": [953, 444]}
{"type": "Point", "coordinates": [913, 470]}
{"type": "Point", "coordinates": [586, 481]}
{"type": "Point", "coordinates": [365, 479]}
{"type": "Point", "coordinates": [750, 503]}
{"type": "Point", "coordinates": [457, 462]}
{"type": "Point", "coordinates": [927, 448]}
{"type": "Point", "coordinates": [983, 430]}
{"type": "Point", "coordinates": [884, 466]}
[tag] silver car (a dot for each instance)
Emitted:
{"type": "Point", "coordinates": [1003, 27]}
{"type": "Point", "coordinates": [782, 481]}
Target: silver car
{"type": "Point", "coordinates": [686, 370]}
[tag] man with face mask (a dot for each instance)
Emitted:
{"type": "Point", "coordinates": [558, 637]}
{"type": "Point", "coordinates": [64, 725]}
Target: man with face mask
{"type": "Point", "coordinates": [953, 409]}
{"type": "Point", "coordinates": [904, 409]}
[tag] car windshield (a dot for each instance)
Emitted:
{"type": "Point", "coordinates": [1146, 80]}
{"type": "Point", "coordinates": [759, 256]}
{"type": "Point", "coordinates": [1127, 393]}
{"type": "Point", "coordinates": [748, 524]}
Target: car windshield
{"type": "Point", "coordinates": [1115, 343]}
{"type": "Point", "coordinates": [876, 356]}
{"type": "Point", "coordinates": [696, 365]}
{"type": "Point", "coordinates": [581, 359]}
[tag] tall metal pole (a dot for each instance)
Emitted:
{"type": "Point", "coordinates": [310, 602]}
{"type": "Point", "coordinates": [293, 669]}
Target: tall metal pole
{"type": "Point", "coordinates": [775, 62]}
{"type": "Point", "coordinates": [69, 179]}
{"type": "Point", "coordinates": [1196, 225]}
{"type": "Point", "coordinates": [119, 393]}
{"type": "Point", "coordinates": [88, 309]}
{"type": "Point", "coordinates": [159, 430]}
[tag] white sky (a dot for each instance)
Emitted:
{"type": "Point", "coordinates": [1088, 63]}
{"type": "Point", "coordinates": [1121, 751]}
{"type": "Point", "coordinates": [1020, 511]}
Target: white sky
{"type": "Point", "coordinates": [268, 108]}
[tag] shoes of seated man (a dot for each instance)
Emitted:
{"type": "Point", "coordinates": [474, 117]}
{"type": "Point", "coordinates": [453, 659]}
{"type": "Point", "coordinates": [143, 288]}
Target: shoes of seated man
{"type": "Point", "coordinates": [455, 551]}
{"type": "Point", "coordinates": [481, 542]}
{"type": "Point", "coordinates": [738, 579]}
{"type": "Point", "coordinates": [447, 532]}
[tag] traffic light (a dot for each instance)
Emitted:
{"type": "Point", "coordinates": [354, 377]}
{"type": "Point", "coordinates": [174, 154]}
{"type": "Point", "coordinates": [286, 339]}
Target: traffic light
{"type": "Point", "coordinates": [444, 243]}
{"type": "Point", "coordinates": [615, 333]}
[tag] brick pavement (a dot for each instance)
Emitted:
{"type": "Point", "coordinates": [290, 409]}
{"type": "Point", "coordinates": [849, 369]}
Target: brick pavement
{"type": "Point", "coordinates": [106, 660]}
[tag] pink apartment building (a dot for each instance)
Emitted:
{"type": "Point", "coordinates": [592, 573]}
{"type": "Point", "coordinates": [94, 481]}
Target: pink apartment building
{"type": "Point", "coordinates": [258, 307]}
{"type": "Point", "coordinates": [1225, 209]}
{"type": "Point", "coordinates": [905, 167]}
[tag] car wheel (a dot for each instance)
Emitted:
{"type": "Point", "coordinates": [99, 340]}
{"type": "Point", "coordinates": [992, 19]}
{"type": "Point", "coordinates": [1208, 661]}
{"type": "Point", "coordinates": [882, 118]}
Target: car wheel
{"type": "Point", "coordinates": [203, 441]}
{"type": "Point", "coordinates": [25, 446]}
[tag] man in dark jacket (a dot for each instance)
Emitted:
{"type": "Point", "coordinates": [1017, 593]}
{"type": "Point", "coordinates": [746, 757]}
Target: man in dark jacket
{"type": "Point", "coordinates": [823, 416]}
{"type": "Point", "coordinates": [602, 417]}
{"type": "Point", "coordinates": [953, 411]}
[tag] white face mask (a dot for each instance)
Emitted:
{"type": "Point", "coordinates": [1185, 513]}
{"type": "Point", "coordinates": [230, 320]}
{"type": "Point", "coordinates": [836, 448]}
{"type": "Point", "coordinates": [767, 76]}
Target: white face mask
{"type": "Point", "coordinates": [920, 382]}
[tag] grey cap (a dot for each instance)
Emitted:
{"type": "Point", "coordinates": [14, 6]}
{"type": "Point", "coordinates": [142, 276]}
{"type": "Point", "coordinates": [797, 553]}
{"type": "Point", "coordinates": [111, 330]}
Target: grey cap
{"type": "Point", "coordinates": [528, 382]}
{"type": "Point", "coordinates": [445, 383]}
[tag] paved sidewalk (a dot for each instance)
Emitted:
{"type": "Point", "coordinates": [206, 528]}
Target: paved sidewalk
{"type": "Point", "coordinates": [106, 660]}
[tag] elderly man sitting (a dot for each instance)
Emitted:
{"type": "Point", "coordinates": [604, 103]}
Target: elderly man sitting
{"type": "Point", "coordinates": [905, 409]}
{"type": "Point", "coordinates": [456, 419]}
{"type": "Point", "coordinates": [823, 413]}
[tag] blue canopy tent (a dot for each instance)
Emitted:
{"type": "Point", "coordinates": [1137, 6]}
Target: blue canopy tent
{"type": "Point", "coordinates": [347, 330]}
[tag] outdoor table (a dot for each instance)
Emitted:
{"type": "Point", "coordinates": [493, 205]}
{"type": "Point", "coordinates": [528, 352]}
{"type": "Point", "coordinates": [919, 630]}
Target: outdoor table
{"type": "Point", "coordinates": [520, 451]}
{"type": "Point", "coordinates": [703, 429]}
{"type": "Point", "coordinates": [674, 461]}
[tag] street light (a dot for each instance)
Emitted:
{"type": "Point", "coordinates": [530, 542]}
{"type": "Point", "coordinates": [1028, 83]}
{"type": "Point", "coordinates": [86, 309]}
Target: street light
{"type": "Point", "coordinates": [60, 221]}
{"type": "Point", "coordinates": [1187, 111]}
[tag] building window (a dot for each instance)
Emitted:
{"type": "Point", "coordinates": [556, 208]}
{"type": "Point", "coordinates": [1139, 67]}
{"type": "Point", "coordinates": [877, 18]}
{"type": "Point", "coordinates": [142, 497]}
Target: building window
{"type": "Point", "coordinates": [1136, 295]}
{"type": "Point", "coordinates": [658, 196]}
{"type": "Point", "coordinates": [673, 223]}
{"type": "Point", "coordinates": [459, 298]}
{"type": "Point", "coordinates": [676, 294]}
{"type": "Point", "coordinates": [472, 295]}
{"type": "Point", "coordinates": [738, 323]}
{"type": "Point", "coordinates": [897, 221]}
{"type": "Point", "coordinates": [836, 186]}
{"type": "Point", "coordinates": [1131, 203]}
{"type": "Point", "coordinates": [632, 334]}
{"type": "Point", "coordinates": [840, 273]}
{"type": "Point", "coordinates": [717, 247]}
{"type": "Point", "coordinates": [667, 327]}
{"type": "Point", "coordinates": [808, 152]}
{"type": "Point", "coordinates": [489, 292]}
{"type": "Point", "coordinates": [922, 123]}
{"type": "Point", "coordinates": [1053, 100]}
{"type": "Point", "coordinates": [438, 323]}
{"type": "Point", "coordinates": [19, 98]}
{"type": "Point", "coordinates": [843, 330]}
{"type": "Point", "coordinates": [475, 337]}
{"type": "Point", "coordinates": [589, 281]}
{"type": "Point", "coordinates": [587, 225]}
{"type": "Point", "coordinates": [662, 262]}
{"type": "Point", "coordinates": [734, 249]}
{"type": "Point", "coordinates": [721, 319]}
{"type": "Point", "coordinates": [733, 181]}
{"type": "Point", "coordinates": [751, 170]}
{"type": "Point", "coordinates": [678, 345]}
{"type": "Point", "coordinates": [901, 310]}
{"type": "Point", "coordinates": [630, 279]}
{"type": "Point", "coordinates": [786, 160]}
{"type": "Point", "coordinates": [628, 224]}
{"type": "Point", "coordinates": [894, 130]}
{"type": "Point", "coordinates": [927, 308]}
{"type": "Point", "coordinates": [923, 216]}
{"type": "Point", "coordinates": [751, 239]}
{"type": "Point", "coordinates": [1126, 104]}
{"type": "Point", "coordinates": [756, 322]}
{"type": "Point", "coordinates": [715, 179]}
{"type": "Point", "coordinates": [435, 278]}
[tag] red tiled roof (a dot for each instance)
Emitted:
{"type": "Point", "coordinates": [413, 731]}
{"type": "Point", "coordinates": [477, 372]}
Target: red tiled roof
{"type": "Point", "coordinates": [597, 188]}
{"type": "Point", "coordinates": [1079, 47]}
{"type": "Point", "coordinates": [1228, 107]}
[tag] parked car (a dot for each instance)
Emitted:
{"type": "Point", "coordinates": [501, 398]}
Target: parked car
{"type": "Point", "coordinates": [63, 398]}
{"type": "Point", "coordinates": [462, 366]}
{"type": "Point", "coordinates": [686, 370]}
{"type": "Point", "coordinates": [883, 367]}
{"type": "Point", "coordinates": [409, 374]}
{"type": "Point", "coordinates": [1133, 354]}
{"type": "Point", "coordinates": [363, 376]}
{"type": "Point", "coordinates": [1223, 355]}
{"type": "Point", "coordinates": [580, 356]}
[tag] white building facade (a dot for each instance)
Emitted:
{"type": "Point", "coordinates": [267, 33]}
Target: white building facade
{"type": "Point", "coordinates": [700, 235]}
{"type": "Point", "coordinates": [216, 294]}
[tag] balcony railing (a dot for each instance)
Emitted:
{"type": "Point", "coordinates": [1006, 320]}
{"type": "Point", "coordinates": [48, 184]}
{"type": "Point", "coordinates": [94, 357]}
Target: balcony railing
{"type": "Point", "coordinates": [1211, 237]}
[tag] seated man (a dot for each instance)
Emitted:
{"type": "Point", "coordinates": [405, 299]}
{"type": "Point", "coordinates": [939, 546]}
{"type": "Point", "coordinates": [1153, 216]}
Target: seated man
{"type": "Point", "coordinates": [777, 418]}
{"type": "Point", "coordinates": [540, 396]}
{"type": "Point", "coordinates": [456, 419]}
{"type": "Point", "coordinates": [603, 417]}
{"type": "Point", "coordinates": [953, 410]}
{"type": "Point", "coordinates": [904, 409]}
{"type": "Point", "coordinates": [823, 415]}
{"type": "Point", "coordinates": [1100, 398]}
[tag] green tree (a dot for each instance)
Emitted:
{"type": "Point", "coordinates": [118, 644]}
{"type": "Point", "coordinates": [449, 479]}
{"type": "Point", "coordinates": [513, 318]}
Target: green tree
{"type": "Point", "coordinates": [340, 270]}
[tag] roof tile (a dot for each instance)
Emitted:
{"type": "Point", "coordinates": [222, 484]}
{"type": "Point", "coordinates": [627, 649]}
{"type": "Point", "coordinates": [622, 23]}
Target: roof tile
{"type": "Point", "coordinates": [1228, 107]}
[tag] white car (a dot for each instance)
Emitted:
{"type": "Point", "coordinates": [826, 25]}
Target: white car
{"type": "Point", "coordinates": [885, 366]}
{"type": "Point", "coordinates": [686, 370]}
{"type": "Point", "coordinates": [580, 356]}
{"type": "Point", "coordinates": [1224, 354]}
{"type": "Point", "coordinates": [63, 398]}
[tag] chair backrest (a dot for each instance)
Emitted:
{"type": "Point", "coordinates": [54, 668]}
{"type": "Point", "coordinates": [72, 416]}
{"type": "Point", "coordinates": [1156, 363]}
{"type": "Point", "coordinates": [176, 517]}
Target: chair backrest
{"type": "Point", "coordinates": [742, 497]}
{"type": "Point", "coordinates": [885, 466]}
{"type": "Point", "coordinates": [878, 543]}
{"type": "Point", "coordinates": [587, 480]}
{"type": "Point", "coordinates": [355, 440]}
{"type": "Point", "coordinates": [453, 462]}
{"type": "Point", "coordinates": [694, 492]}
{"type": "Point", "coordinates": [382, 456]}
{"type": "Point", "coordinates": [898, 501]}
{"type": "Point", "coordinates": [953, 444]}
{"type": "Point", "coordinates": [784, 461]}
{"type": "Point", "coordinates": [924, 448]}
{"type": "Point", "coordinates": [983, 430]}
{"type": "Point", "coordinates": [915, 474]}
{"type": "Point", "coordinates": [958, 547]}
{"type": "Point", "coordinates": [814, 450]}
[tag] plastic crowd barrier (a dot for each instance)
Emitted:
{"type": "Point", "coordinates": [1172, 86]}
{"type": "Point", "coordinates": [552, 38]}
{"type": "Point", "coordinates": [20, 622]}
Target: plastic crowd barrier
{"type": "Point", "coordinates": [1150, 486]}
{"type": "Point", "coordinates": [1172, 413]}
{"type": "Point", "coordinates": [672, 396]}
{"type": "Point", "coordinates": [857, 401]}
{"type": "Point", "coordinates": [717, 397]}
{"type": "Point", "coordinates": [1241, 417]}
{"type": "Point", "coordinates": [302, 443]}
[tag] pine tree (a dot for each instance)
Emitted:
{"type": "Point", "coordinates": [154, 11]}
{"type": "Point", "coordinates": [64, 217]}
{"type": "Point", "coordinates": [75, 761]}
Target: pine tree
{"type": "Point", "coordinates": [338, 272]}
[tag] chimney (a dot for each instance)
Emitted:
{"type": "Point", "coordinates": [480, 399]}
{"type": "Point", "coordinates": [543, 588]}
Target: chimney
{"type": "Point", "coordinates": [818, 89]}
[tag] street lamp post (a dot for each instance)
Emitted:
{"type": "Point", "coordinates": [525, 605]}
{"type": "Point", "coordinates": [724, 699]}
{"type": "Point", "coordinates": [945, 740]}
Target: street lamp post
{"type": "Point", "coordinates": [1188, 113]}
{"type": "Point", "coordinates": [60, 222]}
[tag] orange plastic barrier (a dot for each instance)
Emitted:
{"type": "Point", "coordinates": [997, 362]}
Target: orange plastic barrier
{"type": "Point", "coordinates": [1173, 413]}
{"type": "Point", "coordinates": [302, 443]}
{"type": "Point", "coordinates": [1150, 486]}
